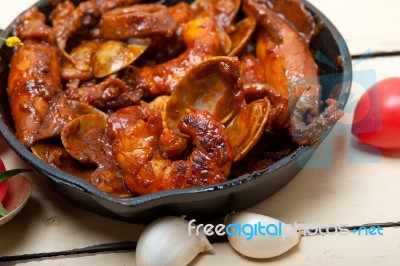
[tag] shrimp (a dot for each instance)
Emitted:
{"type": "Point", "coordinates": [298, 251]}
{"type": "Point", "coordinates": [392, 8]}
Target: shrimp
{"type": "Point", "coordinates": [38, 104]}
{"type": "Point", "coordinates": [202, 39]}
{"type": "Point", "coordinates": [34, 76]}
{"type": "Point", "coordinates": [174, 144]}
{"type": "Point", "coordinates": [69, 20]}
{"type": "Point", "coordinates": [31, 25]}
{"type": "Point", "coordinates": [136, 21]}
{"type": "Point", "coordinates": [146, 166]}
{"type": "Point", "coordinates": [255, 87]}
{"type": "Point", "coordinates": [290, 69]}
{"type": "Point", "coordinates": [33, 81]}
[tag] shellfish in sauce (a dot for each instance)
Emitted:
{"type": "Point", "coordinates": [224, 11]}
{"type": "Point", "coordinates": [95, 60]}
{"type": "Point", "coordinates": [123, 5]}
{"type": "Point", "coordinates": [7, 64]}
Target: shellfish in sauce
{"type": "Point", "coordinates": [137, 98]}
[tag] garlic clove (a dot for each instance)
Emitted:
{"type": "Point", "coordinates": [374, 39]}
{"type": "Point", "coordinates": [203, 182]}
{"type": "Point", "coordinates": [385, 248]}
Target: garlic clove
{"type": "Point", "coordinates": [259, 236]}
{"type": "Point", "coordinates": [167, 242]}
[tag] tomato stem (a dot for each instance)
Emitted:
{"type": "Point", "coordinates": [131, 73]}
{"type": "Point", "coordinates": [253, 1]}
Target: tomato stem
{"type": "Point", "coordinates": [3, 211]}
{"type": "Point", "coordinates": [10, 173]}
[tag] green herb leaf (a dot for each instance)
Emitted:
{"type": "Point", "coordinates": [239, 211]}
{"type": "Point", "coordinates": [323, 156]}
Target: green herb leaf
{"type": "Point", "coordinates": [9, 173]}
{"type": "Point", "coordinates": [3, 212]}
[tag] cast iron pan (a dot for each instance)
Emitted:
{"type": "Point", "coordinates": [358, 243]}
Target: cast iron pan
{"type": "Point", "coordinates": [204, 202]}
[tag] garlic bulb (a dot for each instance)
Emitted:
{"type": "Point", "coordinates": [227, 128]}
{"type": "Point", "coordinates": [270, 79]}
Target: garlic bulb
{"type": "Point", "coordinates": [169, 241]}
{"type": "Point", "coordinates": [258, 236]}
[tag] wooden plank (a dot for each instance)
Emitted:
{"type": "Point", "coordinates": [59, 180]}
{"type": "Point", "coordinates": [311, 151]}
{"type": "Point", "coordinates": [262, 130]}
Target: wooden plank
{"type": "Point", "coordinates": [106, 259]}
{"type": "Point", "coordinates": [317, 250]}
{"type": "Point", "coordinates": [321, 250]}
{"type": "Point", "coordinates": [366, 25]}
{"type": "Point", "coordinates": [10, 9]}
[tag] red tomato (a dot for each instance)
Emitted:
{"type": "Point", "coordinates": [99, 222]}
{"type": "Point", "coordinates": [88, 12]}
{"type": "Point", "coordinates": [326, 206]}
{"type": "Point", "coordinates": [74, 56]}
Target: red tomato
{"type": "Point", "coordinates": [4, 184]}
{"type": "Point", "coordinates": [376, 119]}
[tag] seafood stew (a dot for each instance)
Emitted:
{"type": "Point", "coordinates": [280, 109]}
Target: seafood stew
{"type": "Point", "coordinates": [137, 129]}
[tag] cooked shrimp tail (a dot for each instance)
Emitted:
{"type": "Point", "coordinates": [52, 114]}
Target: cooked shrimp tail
{"type": "Point", "coordinates": [147, 168]}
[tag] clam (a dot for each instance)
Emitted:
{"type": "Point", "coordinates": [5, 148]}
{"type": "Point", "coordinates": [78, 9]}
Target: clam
{"type": "Point", "coordinates": [82, 137]}
{"type": "Point", "coordinates": [174, 144]}
{"type": "Point", "coordinates": [212, 85]}
{"type": "Point", "coordinates": [85, 139]}
{"type": "Point", "coordinates": [226, 42]}
{"type": "Point", "coordinates": [160, 104]}
{"type": "Point", "coordinates": [297, 15]}
{"type": "Point", "coordinates": [61, 112]}
{"type": "Point", "coordinates": [113, 56]}
{"type": "Point", "coordinates": [57, 156]}
{"type": "Point", "coordinates": [100, 59]}
{"type": "Point", "coordinates": [242, 34]}
{"type": "Point", "coordinates": [222, 11]}
{"type": "Point", "coordinates": [80, 63]}
{"type": "Point", "coordinates": [82, 108]}
{"type": "Point", "coordinates": [248, 126]}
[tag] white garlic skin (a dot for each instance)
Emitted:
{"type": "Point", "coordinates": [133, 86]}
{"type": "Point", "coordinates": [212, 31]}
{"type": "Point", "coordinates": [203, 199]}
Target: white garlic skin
{"type": "Point", "coordinates": [166, 242]}
{"type": "Point", "coordinates": [261, 246]}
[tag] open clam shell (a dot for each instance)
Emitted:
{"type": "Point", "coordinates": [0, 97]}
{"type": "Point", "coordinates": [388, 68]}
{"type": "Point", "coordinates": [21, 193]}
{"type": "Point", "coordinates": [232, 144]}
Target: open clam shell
{"type": "Point", "coordinates": [242, 34]}
{"type": "Point", "coordinates": [57, 156]}
{"type": "Point", "coordinates": [222, 11]}
{"type": "Point", "coordinates": [294, 12]}
{"type": "Point", "coordinates": [248, 127]}
{"type": "Point", "coordinates": [113, 56]}
{"type": "Point", "coordinates": [80, 137]}
{"type": "Point", "coordinates": [213, 85]}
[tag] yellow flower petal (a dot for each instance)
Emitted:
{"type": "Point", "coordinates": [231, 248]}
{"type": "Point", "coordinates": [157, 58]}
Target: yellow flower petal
{"type": "Point", "coordinates": [13, 41]}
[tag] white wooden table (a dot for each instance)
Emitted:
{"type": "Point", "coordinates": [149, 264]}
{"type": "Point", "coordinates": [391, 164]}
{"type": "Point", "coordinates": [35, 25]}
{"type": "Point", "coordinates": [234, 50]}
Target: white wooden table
{"type": "Point", "coordinates": [357, 187]}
